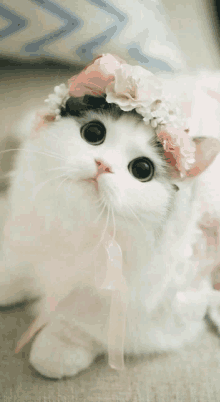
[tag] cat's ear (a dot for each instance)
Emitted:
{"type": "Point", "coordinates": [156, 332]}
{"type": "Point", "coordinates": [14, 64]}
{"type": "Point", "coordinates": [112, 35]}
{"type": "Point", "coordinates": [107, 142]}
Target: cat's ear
{"type": "Point", "coordinates": [188, 156]}
{"type": "Point", "coordinates": [205, 119]}
{"type": "Point", "coordinates": [206, 150]}
{"type": "Point", "coordinates": [203, 114]}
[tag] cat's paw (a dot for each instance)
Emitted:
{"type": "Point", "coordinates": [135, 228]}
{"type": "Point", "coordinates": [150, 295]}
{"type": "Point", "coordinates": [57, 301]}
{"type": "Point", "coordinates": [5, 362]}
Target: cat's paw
{"type": "Point", "coordinates": [54, 358]}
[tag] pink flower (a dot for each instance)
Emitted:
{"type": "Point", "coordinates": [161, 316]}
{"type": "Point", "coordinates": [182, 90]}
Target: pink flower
{"type": "Point", "coordinates": [94, 79]}
{"type": "Point", "coordinates": [178, 147]}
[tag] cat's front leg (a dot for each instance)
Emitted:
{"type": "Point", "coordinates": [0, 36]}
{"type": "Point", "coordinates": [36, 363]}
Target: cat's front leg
{"type": "Point", "coordinates": [62, 349]}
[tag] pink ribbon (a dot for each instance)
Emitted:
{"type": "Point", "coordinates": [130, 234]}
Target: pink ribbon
{"type": "Point", "coordinates": [115, 282]}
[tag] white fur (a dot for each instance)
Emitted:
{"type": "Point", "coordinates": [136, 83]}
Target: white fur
{"type": "Point", "coordinates": [49, 243]}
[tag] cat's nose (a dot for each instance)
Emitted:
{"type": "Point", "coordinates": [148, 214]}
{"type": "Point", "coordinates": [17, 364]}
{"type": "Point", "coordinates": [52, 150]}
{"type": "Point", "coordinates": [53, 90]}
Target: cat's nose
{"type": "Point", "coordinates": [102, 167]}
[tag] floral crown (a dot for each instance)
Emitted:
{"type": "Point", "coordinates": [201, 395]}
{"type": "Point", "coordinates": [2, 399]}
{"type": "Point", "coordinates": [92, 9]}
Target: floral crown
{"type": "Point", "coordinates": [132, 87]}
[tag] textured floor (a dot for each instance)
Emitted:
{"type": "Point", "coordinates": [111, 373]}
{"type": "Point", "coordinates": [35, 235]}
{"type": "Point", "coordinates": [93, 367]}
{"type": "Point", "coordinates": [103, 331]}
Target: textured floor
{"type": "Point", "coordinates": [192, 376]}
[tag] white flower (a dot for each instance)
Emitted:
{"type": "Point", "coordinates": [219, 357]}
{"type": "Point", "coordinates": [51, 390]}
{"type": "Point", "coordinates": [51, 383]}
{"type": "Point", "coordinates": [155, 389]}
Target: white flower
{"type": "Point", "coordinates": [133, 88]}
{"type": "Point", "coordinates": [61, 90]}
{"type": "Point", "coordinates": [58, 99]}
{"type": "Point", "coordinates": [139, 89]}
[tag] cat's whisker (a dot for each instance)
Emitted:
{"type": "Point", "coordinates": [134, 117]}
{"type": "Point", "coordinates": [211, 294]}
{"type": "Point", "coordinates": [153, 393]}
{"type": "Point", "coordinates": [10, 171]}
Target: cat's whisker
{"type": "Point", "coordinates": [56, 137]}
{"type": "Point", "coordinates": [56, 168]}
{"type": "Point", "coordinates": [153, 213]}
{"type": "Point", "coordinates": [126, 220]}
{"type": "Point", "coordinates": [114, 225]}
{"type": "Point", "coordinates": [62, 183]}
{"type": "Point", "coordinates": [122, 214]}
{"type": "Point", "coordinates": [100, 214]}
{"type": "Point", "coordinates": [37, 152]}
{"type": "Point", "coordinates": [107, 222]}
{"type": "Point", "coordinates": [68, 171]}
{"type": "Point", "coordinates": [105, 229]}
{"type": "Point", "coordinates": [100, 201]}
{"type": "Point", "coordinates": [137, 218]}
{"type": "Point", "coordinates": [41, 185]}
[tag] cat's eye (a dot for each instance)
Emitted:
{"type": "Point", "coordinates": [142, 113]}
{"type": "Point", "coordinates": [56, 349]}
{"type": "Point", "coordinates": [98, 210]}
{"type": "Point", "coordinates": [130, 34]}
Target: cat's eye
{"type": "Point", "coordinates": [93, 132]}
{"type": "Point", "coordinates": [141, 168]}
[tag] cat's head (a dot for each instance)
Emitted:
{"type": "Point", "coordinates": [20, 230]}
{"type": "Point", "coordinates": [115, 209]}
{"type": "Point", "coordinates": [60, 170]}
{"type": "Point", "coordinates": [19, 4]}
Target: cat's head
{"type": "Point", "coordinates": [117, 135]}
{"type": "Point", "coordinates": [116, 157]}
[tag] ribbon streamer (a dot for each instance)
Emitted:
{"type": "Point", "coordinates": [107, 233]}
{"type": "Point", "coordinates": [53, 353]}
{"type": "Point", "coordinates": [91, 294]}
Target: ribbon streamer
{"type": "Point", "coordinates": [115, 282]}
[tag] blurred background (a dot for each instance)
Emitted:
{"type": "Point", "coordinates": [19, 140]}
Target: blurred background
{"type": "Point", "coordinates": [163, 35]}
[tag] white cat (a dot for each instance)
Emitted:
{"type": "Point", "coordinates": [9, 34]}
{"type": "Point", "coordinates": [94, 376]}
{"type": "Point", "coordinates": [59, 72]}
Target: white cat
{"type": "Point", "coordinates": [58, 215]}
